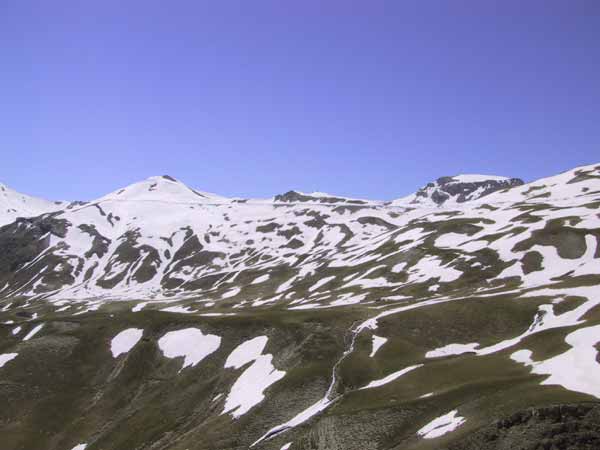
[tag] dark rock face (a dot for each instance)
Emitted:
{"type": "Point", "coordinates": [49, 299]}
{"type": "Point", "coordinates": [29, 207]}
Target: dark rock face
{"type": "Point", "coordinates": [567, 427]}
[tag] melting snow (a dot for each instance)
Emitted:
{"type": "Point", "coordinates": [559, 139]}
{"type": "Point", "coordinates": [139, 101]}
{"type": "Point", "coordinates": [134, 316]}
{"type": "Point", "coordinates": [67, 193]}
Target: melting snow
{"type": "Point", "coordinates": [33, 332]}
{"type": "Point", "coordinates": [546, 319]}
{"type": "Point", "coordinates": [399, 267]}
{"type": "Point", "coordinates": [452, 349]}
{"type": "Point", "coordinates": [6, 357]}
{"type": "Point", "coordinates": [297, 419]}
{"type": "Point", "coordinates": [216, 314]}
{"type": "Point", "coordinates": [125, 341]}
{"type": "Point", "coordinates": [523, 357]}
{"type": "Point", "coordinates": [377, 343]}
{"type": "Point", "coordinates": [246, 352]}
{"type": "Point", "coordinates": [576, 369]}
{"type": "Point", "coordinates": [260, 279]}
{"type": "Point", "coordinates": [432, 267]}
{"type": "Point", "coordinates": [139, 307]}
{"type": "Point", "coordinates": [178, 309]}
{"type": "Point", "coordinates": [247, 391]}
{"type": "Point", "coordinates": [348, 299]}
{"type": "Point", "coordinates": [320, 283]}
{"type": "Point", "coordinates": [442, 425]}
{"type": "Point", "coordinates": [450, 240]}
{"type": "Point", "coordinates": [231, 293]}
{"type": "Point", "coordinates": [79, 447]}
{"type": "Point", "coordinates": [391, 377]}
{"type": "Point", "coordinates": [190, 343]}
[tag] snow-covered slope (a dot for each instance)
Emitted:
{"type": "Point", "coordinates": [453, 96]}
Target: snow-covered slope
{"type": "Point", "coordinates": [161, 239]}
{"type": "Point", "coordinates": [14, 204]}
{"type": "Point", "coordinates": [306, 321]}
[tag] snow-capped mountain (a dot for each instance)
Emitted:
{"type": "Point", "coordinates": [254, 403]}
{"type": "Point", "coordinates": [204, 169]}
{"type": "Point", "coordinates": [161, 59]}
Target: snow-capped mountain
{"type": "Point", "coordinates": [14, 204]}
{"type": "Point", "coordinates": [463, 317]}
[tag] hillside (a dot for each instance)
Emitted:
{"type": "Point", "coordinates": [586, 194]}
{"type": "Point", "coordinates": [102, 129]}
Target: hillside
{"type": "Point", "coordinates": [464, 316]}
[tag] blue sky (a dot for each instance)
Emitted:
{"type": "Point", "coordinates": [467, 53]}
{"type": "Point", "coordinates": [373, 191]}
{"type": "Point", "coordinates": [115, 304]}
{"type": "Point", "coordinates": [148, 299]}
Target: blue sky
{"type": "Point", "coordinates": [361, 98]}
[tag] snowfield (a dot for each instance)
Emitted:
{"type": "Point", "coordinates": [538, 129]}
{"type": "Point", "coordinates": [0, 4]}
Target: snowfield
{"type": "Point", "coordinates": [441, 425]}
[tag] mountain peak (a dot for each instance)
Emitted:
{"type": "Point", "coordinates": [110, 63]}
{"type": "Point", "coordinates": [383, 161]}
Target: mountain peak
{"type": "Point", "coordinates": [13, 204]}
{"type": "Point", "coordinates": [163, 188]}
{"type": "Point", "coordinates": [458, 189]}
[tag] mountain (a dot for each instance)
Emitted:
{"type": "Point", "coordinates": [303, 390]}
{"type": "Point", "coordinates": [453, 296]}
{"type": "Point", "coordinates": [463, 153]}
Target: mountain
{"type": "Point", "coordinates": [13, 205]}
{"type": "Point", "coordinates": [465, 316]}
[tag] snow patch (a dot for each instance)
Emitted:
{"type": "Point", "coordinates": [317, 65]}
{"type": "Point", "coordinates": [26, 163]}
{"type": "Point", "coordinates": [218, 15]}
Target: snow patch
{"type": "Point", "coordinates": [247, 391]}
{"type": "Point", "coordinates": [139, 307]}
{"type": "Point", "coordinates": [441, 425]}
{"type": "Point", "coordinates": [33, 332]}
{"type": "Point", "coordinates": [576, 369]}
{"type": "Point", "coordinates": [452, 349]}
{"type": "Point", "coordinates": [6, 357]}
{"type": "Point", "coordinates": [125, 341]}
{"type": "Point", "coordinates": [391, 377]}
{"type": "Point", "coordinates": [260, 279]}
{"type": "Point", "coordinates": [179, 310]}
{"type": "Point", "coordinates": [377, 343]}
{"type": "Point", "coordinates": [190, 343]}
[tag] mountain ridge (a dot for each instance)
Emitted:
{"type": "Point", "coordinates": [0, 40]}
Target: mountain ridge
{"type": "Point", "coordinates": [143, 189]}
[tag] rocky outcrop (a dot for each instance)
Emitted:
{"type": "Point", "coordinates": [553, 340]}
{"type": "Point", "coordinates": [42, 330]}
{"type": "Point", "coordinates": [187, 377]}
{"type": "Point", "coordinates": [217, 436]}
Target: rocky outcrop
{"type": "Point", "coordinates": [575, 427]}
{"type": "Point", "coordinates": [458, 189]}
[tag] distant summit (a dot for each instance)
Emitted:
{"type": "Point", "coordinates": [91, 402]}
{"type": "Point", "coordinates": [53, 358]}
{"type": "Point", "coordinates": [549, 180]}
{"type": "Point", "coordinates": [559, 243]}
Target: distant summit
{"type": "Point", "coordinates": [457, 189]}
{"type": "Point", "coordinates": [13, 204]}
{"type": "Point", "coordinates": [314, 197]}
{"type": "Point", "coordinates": [163, 188]}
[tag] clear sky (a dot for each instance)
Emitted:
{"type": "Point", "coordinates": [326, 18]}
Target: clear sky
{"type": "Point", "coordinates": [252, 98]}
